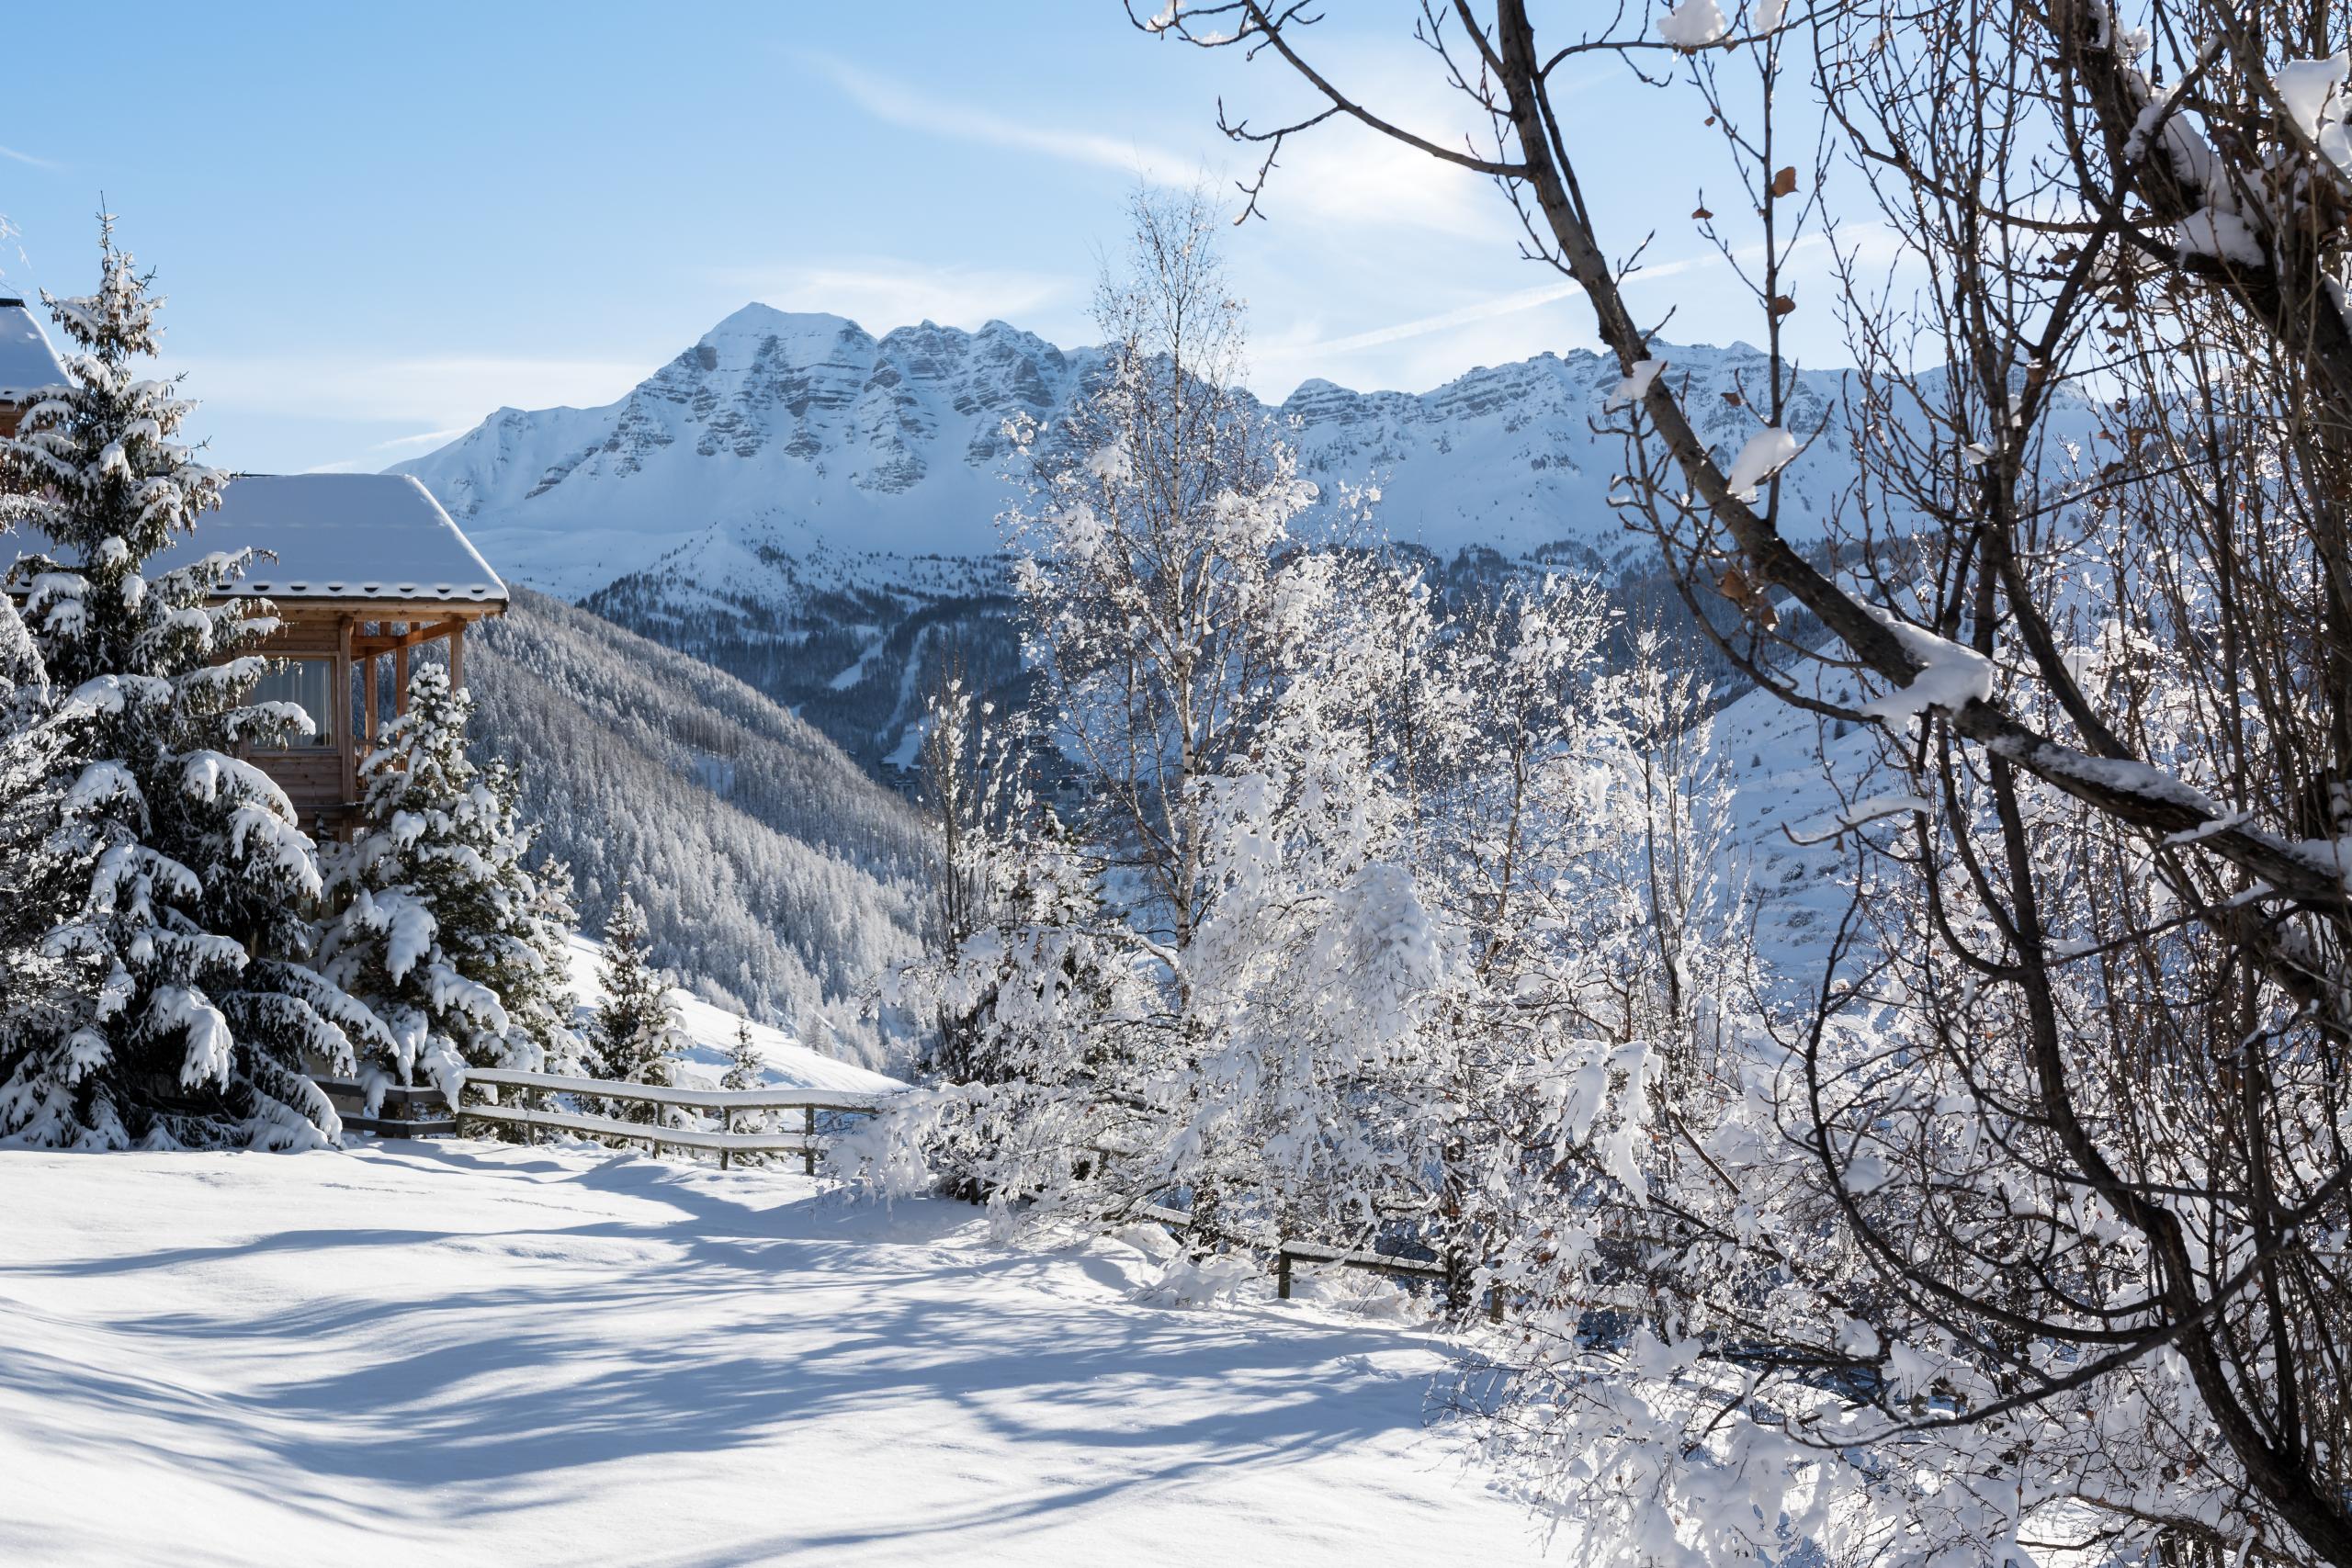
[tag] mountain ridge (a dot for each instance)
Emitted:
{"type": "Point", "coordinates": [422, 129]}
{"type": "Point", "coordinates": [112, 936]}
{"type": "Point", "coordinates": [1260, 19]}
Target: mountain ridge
{"type": "Point", "coordinates": [895, 442]}
{"type": "Point", "coordinates": [813, 509]}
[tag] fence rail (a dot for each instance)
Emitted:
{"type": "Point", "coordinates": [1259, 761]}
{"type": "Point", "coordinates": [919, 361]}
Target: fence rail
{"type": "Point", "coordinates": [807, 1142]}
{"type": "Point", "coordinates": [783, 1097]}
{"type": "Point", "coordinates": [390, 1096]}
{"type": "Point", "coordinates": [443, 1119]}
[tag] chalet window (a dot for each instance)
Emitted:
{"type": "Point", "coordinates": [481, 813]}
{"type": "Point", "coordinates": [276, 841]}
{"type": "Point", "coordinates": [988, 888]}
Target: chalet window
{"type": "Point", "coordinates": [311, 683]}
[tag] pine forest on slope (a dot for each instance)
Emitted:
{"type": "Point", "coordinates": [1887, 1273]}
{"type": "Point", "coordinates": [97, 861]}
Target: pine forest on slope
{"type": "Point", "coordinates": [776, 876]}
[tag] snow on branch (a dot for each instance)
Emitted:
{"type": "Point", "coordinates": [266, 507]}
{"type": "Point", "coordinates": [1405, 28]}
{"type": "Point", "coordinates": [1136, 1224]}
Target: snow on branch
{"type": "Point", "coordinates": [1949, 678]}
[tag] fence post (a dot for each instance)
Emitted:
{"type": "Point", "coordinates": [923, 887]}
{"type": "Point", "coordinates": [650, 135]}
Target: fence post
{"type": "Point", "coordinates": [726, 1125]}
{"type": "Point", "coordinates": [808, 1140]}
{"type": "Point", "coordinates": [1281, 1274]}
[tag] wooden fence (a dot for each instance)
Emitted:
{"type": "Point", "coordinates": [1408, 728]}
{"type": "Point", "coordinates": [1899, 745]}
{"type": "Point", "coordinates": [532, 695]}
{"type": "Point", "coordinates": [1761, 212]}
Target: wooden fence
{"type": "Point", "coordinates": [807, 1141]}
{"type": "Point", "coordinates": [1294, 1252]}
{"type": "Point", "coordinates": [725, 1105]}
{"type": "Point", "coordinates": [424, 1112]}
{"type": "Point", "coordinates": [530, 1111]}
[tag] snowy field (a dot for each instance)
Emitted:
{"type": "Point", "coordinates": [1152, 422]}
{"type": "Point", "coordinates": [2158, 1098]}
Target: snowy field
{"type": "Point", "coordinates": [712, 1030]}
{"type": "Point", "coordinates": [469, 1353]}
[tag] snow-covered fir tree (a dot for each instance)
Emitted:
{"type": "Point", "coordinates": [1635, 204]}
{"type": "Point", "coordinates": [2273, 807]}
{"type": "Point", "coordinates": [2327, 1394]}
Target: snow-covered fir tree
{"type": "Point", "coordinates": [41, 873]}
{"type": "Point", "coordinates": [441, 927]}
{"type": "Point", "coordinates": [745, 1067]}
{"type": "Point", "coordinates": [547, 1010]}
{"type": "Point", "coordinates": [1030, 1073]}
{"type": "Point", "coordinates": [746, 1070]}
{"type": "Point", "coordinates": [183, 1010]}
{"type": "Point", "coordinates": [637, 1037]}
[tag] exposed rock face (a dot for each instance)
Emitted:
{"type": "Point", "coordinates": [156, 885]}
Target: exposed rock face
{"type": "Point", "coordinates": [896, 445]}
{"type": "Point", "coordinates": [813, 507]}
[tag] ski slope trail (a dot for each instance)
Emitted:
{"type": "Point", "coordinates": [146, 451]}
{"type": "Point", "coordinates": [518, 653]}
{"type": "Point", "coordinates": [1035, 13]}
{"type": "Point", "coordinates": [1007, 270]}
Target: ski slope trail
{"type": "Point", "coordinates": [472, 1353]}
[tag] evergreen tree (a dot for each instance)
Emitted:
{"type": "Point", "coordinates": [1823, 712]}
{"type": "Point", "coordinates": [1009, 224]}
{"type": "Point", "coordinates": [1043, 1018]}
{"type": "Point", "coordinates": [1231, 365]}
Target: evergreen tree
{"type": "Point", "coordinates": [636, 1033]}
{"type": "Point", "coordinates": [745, 1067]}
{"type": "Point", "coordinates": [182, 1010]}
{"type": "Point", "coordinates": [38, 867]}
{"type": "Point", "coordinates": [545, 1011]}
{"type": "Point", "coordinates": [440, 921]}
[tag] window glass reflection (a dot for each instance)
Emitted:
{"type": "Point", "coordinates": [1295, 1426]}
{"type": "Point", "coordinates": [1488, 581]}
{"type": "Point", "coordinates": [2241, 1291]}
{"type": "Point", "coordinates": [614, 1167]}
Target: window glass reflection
{"type": "Point", "coordinates": [310, 684]}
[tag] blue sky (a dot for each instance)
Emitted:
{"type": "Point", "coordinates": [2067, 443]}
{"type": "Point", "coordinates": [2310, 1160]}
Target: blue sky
{"type": "Point", "coordinates": [377, 224]}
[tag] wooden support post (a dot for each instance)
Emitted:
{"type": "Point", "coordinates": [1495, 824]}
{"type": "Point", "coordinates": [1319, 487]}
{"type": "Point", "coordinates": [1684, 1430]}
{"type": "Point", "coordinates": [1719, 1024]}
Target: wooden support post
{"type": "Point", "coordinates": [457, 656]}
{"type": "Point", "coordinates": [727, 1123]}
{"type": "Point", "coordinates": [808, 1139]}
{"type": "Point", "coordinates": [1282, 1276]}
{"type": "Point", "coordinates": [399, 681]}
{"type": "Point", "coordinates": [346, 741]}
{"type": "Point", "coordinates": [367, 702]}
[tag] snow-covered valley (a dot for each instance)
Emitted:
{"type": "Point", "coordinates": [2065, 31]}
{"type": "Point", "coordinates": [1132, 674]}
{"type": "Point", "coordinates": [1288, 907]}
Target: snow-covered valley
{"type": "Point", "coordinates": [471, 1353]}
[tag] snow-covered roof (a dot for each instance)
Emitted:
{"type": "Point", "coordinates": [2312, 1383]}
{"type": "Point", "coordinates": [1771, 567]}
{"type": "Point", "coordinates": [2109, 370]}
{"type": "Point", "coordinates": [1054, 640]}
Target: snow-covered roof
{"type": "Point", "coordinates": [379, 536]}
{"type": "Point", "coordinates": [26, 361]}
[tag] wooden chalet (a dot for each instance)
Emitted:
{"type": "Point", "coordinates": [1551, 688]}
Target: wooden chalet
{"type": "Point", "coordinates": [26, 362]}
{"type": "Point", "coordinates": [366, 572]}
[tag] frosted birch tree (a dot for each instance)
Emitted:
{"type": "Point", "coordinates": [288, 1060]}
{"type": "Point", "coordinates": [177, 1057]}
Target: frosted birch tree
{"type": "Point", "coordinates": [2022, 1235]}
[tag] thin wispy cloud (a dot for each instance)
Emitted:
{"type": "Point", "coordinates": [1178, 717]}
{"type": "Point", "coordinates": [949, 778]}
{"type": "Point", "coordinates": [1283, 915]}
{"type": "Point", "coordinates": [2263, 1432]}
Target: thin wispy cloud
{"type": "Point", "coordinates": [894, 103]}
{"type": "Point", "coordinates": [1443, 321]}
{"type": "Point", "coordinates": [424, 441]}
{"type": "Point", "coordinates": [26, 158]}
{"type": "Point", "coordinates": [1533, 299]}
{"type": "Point", "coordinates": [1342, 176]}
{"type": "Point", "coordinates": [1450, 340]}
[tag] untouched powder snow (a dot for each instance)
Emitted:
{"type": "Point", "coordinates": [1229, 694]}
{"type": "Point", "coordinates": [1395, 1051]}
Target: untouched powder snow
{"type": "Point", "coordinates": [464, 1352]}
{"type": "Point", "coordinates": [712, 1028]}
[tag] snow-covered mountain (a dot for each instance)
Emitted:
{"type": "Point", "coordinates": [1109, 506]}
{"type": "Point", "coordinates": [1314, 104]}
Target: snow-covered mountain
{"type": "Point", "coordinates": [805, 434]}
{"type": "Point", "coordinates": [813, 507]}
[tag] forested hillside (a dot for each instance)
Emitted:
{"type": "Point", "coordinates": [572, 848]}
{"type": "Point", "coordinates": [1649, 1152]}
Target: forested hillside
{"type": "Point", "coordinates": [775, 875]}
